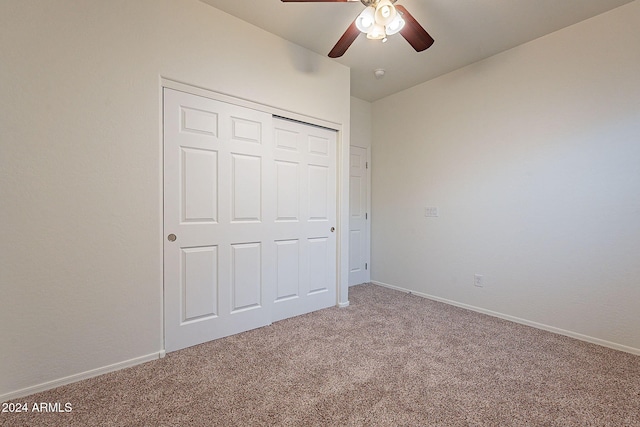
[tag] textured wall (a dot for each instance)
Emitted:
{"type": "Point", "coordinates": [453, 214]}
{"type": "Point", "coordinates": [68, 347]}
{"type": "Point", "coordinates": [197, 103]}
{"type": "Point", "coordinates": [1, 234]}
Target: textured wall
{"type": "Point", "coordinates": [361, 125]}
{"type": "Point", "coordinates": [81, 156]}
{"type": "Point", "coordinates": [532, 157]}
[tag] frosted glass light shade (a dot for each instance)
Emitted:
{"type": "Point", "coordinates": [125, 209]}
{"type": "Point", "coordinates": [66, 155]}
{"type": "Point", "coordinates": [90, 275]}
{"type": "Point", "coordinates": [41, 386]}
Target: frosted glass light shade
{"type": "Point", "coordinates": [366, 20]}
{"type": "Point", "coordinates": [385, 12]}
{"type": "Point", "coordinates": [395, 26]}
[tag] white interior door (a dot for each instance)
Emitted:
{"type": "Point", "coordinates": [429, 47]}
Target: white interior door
{"type": "Point", "coordinates": [218, 169]}
{"type": "Point", "coordinates": [358, 216]}
{"type": "Point", "coordinates": [249, 204]}
{"type": "Point", "coordinates": [304, 227]}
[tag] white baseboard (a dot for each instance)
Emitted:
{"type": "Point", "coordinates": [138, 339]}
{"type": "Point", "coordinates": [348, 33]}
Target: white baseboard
{"type": "Point", "coordinates": [526, 322]}
{"type": "Point", "coordinates": [343, 304]}
{"type": "Point", "coordinates": [81, 376]}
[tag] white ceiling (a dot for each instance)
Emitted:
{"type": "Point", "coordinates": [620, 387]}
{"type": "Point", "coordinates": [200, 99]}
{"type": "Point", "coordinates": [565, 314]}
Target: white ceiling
{"type": "Point", "coordinates": [465, 31]}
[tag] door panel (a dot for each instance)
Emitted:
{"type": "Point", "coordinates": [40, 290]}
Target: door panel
{"type": "Point", "coordinates": [355, 251]}
{"type": "Point", "coordinates": [246, 130]}
{"type": "Point", "coordinates": [200, 185]}
{"type": "Point", "coordinates": [217, 169]}
{"type": "Point", "coordinates": [319, 187]}
{"type": "Point", "coordinates": [246, 188]}
{"type": "Point", "coordinates": [246, 277]}
{"type": "Point", "coordinates": [305, 159]}
{"type": "Point", "coordinates": [200, 282]}
{"type": "Point", "coordinates": [287, 191]}
{"type": "Point", "coordinates": [199, 121]}
{"type": "Point", "coordinates": [288, 269]}
{"type": "Point", "coordinates": [318, 250]}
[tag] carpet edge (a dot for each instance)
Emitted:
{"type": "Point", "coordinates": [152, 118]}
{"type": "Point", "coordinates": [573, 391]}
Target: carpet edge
{"type": "Point", "coordinates": [80, 376]}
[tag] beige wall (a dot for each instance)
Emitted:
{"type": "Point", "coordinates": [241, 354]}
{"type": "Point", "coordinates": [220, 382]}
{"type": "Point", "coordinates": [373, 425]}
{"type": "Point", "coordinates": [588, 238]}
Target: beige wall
{"type": "Point", "coordinates": [533, 157]}
{"type": "Point", "coordinates": [81, 156]}
{"type": "Point", "coordinates": [361, 125]}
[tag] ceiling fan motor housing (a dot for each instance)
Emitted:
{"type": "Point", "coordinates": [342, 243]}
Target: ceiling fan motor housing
{"type": "Point", "coordinates": [373, 2]}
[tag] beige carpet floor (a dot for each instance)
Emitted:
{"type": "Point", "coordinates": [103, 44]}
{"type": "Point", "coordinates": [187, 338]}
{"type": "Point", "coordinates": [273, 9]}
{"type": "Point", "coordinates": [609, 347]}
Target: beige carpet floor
{"type": "Point", "coordinates": [389, 359]}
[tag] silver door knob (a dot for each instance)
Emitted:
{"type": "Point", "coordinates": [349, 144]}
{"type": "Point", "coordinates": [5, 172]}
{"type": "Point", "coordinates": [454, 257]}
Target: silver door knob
{"type": "Point", "coordinates": [171, 237]}
{"type": "Point", "coordinates": [333, 229]}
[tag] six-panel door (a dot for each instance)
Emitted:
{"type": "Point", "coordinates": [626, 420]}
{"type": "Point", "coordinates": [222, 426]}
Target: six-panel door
{"type": "Point", "coordinates": [251, 213]}
{"type": "Point", "coordinates": [305, 161]}
{"type": "Point", "coordinates": [358, 216]}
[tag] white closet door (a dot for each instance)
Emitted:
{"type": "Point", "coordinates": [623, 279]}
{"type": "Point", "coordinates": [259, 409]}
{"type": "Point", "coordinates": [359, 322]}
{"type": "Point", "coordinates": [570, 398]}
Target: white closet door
{"type": "Point", "coordinates": [304, 226]}
{"type": "Point", "coordinates": [218, 197]}
{"type": "Point", "coordinates": [249, 211]}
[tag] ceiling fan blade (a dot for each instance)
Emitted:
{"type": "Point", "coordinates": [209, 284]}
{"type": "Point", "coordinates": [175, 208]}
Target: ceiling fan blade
{"type": "Point", "coordinates": [413, 32]}
{"type": "Point", "coordinates": [345, 41]}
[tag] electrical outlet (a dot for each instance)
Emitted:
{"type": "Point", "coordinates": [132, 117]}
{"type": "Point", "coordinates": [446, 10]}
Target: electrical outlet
{"type": "Point", "coordinates": [431, 211]}
{"type": "Point", "coordinates": [478, 280]}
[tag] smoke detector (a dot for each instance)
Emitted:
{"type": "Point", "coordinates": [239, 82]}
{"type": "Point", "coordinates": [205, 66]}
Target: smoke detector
{"type": "Point", "coordinates": [379, 73]}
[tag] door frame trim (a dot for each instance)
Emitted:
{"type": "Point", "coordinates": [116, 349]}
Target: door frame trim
{"type": "Point", "coordinates": [342, 176]}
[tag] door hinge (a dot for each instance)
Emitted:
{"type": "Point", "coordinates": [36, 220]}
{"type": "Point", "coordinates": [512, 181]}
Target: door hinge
{"type": "Point", "coordinates": [366, 215]}
{"type": "Point", "coordinates": [366, 165]}
{"type": "Point", "coordinates": [366, 266]}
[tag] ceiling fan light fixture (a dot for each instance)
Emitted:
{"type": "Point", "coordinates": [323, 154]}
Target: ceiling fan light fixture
{"type": "Point", "coordinates": [377, 32]}
{"type": "Point", "coordinates": [379, 20]}
{"type": "Point", "coordinates": [395, 26]}
{"type": "Point", "coordinates": [385, 12]}
{"type": "Point", "coordinates": [366, 20]}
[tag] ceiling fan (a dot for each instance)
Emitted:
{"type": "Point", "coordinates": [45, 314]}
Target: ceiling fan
{"type": "Point", "coordinates": [380, 19]}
